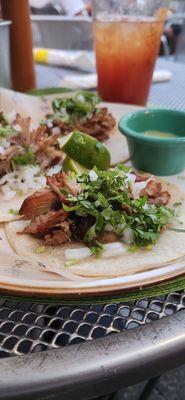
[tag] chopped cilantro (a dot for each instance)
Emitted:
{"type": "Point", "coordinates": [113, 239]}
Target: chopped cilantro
{"type": "Point", "coordinates": [40, 249]}
{"type": "Point", "coordinates": [90, 234]}
{"type": "Point", "coordinates": [106, 200]}
{"type": "Point", "coordinates": [70, 262]}
{"type": "Point", "coordinates": [25, 159]}
{"type": "Point", "coordinates": [6, 130]}
{"type": "Point", "coordinates": [70, 109]}
{"type": "Point", "coordinates": [14, 212]}
{"type": "Point", "coordinates": [133, 248]}
{"type": "Point", "coordinates": [97, 249]}
{"type": "Point", "coordinates": [124, 168]}
{"type": "Point", "coordinates": [3, 120]}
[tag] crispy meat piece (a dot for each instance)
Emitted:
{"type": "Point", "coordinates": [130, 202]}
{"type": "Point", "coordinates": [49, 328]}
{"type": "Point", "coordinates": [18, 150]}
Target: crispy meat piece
{"type": "Point", "coordinates": [43, 133]}
{"type": "Point", "coordinates": [45, 223]}
{"type": "Point", "coordinates": [162, 199]}
{"type": "Point", "coordinates": [141, 177]}
{"type": "Point", "coordinates": [155, 194]}
{"type": "Point", "coordinates": [48, 156]}
{"type": "Point", "coordinates": [152, 189]}
{"type": "Point", "coordinates": [46, 148]}
{"type": "Point", "coordinates": [39, 203]}
{"type": "Point", "coordinates": [60, 181]}
{"type": "Point", "coordinates": [60, 235]}
{"type": "Point", "coordinates": [107, 237]}
{"type": "Point", "coordinates": [5, 167]}
{"type": "Point", "coordinates": [24, 137]}
{"type": "Point", "coordinates": [39, 134]}
{"type": "Point", "coordinates": [99, 125]}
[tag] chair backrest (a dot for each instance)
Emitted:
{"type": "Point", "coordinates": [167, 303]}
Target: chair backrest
{"type": "Point", "coordinates": [62, 32]}
{"type": "Point", "coordinates": [180, 47]}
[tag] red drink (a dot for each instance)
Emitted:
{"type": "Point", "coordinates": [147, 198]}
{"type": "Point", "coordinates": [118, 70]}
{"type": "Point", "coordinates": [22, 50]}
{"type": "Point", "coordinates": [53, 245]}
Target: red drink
{"type": "Point", "coordinates": [126, 51]}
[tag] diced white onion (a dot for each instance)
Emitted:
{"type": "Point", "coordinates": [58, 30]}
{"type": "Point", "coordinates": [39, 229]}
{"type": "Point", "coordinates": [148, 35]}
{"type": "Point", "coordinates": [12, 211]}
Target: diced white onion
{"type": "Point", "coordinates": [50, 125]}
{"type": "Point", "coordinates": [137, 187]}
{"type": "Point", "coordinates": [1, 149]}
{"type": "Point", "coordinates": [53, 170]}
{"type": "Point", "coordinates": [56, 130]}
{"type": "Point", "coordinates": [7, 177]}
{"type": "Point", "coordinates": [92, 176]}
{"type": "Point", "coordinates": [81, 98]}
{"type": "Point", "coordinates": [113, 249]}
{"type": "Point", "coordinates": [145, 207]}
{"type": "Point", "coordinates": [131, 178]}
{"type": "Point", "coordinates": [128, 236]}
{"type": "Point", "coordinates": [17, 127]}
{"type": "Point", "coordinates": [109, 250]}
{"type": "Point", "coordinates": [5, 143]}
{"type": "Point", "coordinates": [8, 194]}
{"type": "Point", "coordinates": [80, 253]}
{"type": "Point", "coordinates": [109, 227]}
{"type": "Point", "coordinates": [23, 179]}
{"type": "Point", "coordinates": [11, 116]}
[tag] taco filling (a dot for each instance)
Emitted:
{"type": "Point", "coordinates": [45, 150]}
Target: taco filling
{"type": "Point", "coordinates": [81, 113]}
{"type": "Point", "coordinates": [97, 208]}
{"type": "Point", "coordinates": [26, 154]}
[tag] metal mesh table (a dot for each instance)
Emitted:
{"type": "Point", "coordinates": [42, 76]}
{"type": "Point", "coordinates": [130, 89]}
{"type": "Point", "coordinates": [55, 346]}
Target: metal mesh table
{"type": "Point", "coordinates": [157, 342]}
{"type": "Point", "coordinates": [169, 94]}
{"type": "Point", "coordinates": [26, 327]}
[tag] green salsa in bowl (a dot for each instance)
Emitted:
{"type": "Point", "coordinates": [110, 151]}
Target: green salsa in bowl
{"type": "Point", "coordinates": [156, 140]}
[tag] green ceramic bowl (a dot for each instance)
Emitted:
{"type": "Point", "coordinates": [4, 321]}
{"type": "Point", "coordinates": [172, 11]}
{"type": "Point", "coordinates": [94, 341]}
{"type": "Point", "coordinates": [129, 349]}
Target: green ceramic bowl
{"type": "Point", "coordinates": [157, 155]}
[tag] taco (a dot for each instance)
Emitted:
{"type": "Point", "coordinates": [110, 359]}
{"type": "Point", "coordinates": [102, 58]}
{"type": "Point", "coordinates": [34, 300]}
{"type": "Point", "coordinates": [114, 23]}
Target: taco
{"type": "Point", "coordinates": [103, 223]}
{"type": "Point", "coordinates": [82, 113]}
{"type": "Point", "coordinates": [28, 154]}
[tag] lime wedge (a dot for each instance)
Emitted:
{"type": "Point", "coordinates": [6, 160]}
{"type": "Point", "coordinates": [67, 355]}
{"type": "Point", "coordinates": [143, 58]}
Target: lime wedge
{"type": "Point", "coordinates": [85, 150]}
{"type": "Point", "coordinates": [71, 165]}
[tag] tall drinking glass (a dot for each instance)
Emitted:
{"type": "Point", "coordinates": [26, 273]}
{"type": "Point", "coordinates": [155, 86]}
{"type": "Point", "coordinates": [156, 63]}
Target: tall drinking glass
{"type": "Point", "coordinates": [127, 37]}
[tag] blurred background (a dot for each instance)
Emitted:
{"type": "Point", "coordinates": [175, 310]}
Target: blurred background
{"type": "Point", "coordinates": [65, 33]}
{"type": "Point", "coordinates": [65, 27]}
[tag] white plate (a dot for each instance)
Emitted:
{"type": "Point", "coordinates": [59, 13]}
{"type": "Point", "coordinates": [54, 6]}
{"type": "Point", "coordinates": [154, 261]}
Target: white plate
{"type": "Point", "coordinates": [21, 277]}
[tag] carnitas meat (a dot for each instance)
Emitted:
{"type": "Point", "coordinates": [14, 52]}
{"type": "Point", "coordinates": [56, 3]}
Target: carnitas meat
{"type": "Point", "coordinates": [99, 125]}
{"type": "Point", "coordinates": [50, 221]}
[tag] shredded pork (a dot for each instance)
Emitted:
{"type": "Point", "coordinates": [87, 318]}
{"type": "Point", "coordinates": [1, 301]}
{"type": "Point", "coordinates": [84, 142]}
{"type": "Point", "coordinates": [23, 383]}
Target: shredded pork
{"type": "Point", "coordinates": [99, 125]}
{"type": "Point", "coordinates": [39, 203]}
{"type": "Point", "coordinates": [60, 181]}
{"type": "Point", "coordinates": [155, 193]}
{"type": "Point", "coordinates": [42, 224]}
{"type": "Point", "coordinates": [43, 144]}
